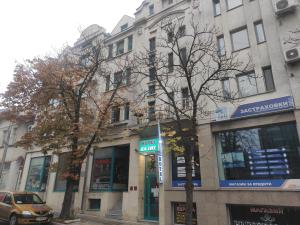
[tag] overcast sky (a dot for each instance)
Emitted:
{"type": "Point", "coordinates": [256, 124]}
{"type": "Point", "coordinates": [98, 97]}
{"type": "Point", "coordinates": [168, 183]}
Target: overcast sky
{"type": "Point", "coordinates": [38, 27]}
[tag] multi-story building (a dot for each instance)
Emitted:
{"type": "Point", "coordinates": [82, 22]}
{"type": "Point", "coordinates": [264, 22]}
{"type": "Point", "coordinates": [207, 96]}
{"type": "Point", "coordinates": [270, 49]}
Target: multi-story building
{"type": "Point", "coordinates": [249, 151]}
{"type": "Point", "coordinates": [12, 157]}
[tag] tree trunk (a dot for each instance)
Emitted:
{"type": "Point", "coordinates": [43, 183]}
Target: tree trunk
{"type": "Point", "coordinates": [189, 187]}
{"type": "Point", "coordinates": [67, 207]}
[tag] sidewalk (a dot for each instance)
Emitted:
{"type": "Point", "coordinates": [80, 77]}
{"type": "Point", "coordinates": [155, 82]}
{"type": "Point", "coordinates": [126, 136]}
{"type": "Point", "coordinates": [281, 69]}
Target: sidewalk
{"type": "Point", "coordinates": [95, 220]}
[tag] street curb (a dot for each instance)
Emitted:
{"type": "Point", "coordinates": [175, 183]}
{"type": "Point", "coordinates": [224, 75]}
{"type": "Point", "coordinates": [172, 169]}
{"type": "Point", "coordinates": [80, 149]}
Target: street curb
{"type": "Point", "coordinates": [107, 221]}
{"type": "Point", "coordinates": [67, 222]}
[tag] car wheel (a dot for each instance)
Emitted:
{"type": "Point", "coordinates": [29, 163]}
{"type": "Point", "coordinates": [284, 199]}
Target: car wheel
{"type": "Point", "coordinates": [13, 220]}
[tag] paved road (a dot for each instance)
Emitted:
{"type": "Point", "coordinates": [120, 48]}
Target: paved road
{"type": "Point", "coordinates": [81, 223]}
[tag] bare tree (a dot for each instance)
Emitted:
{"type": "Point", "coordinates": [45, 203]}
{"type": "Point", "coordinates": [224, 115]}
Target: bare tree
{"type": "Point", "coordinates": [185, 70]}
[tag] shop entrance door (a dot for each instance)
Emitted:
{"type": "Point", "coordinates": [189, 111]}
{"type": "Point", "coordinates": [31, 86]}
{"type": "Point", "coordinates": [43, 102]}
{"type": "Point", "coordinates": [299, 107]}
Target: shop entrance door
{"type": "Point", "coordinates": [151, 200]}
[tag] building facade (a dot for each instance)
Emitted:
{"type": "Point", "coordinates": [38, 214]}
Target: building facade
{"type": "Point", "coordinates": [249, 152]}
{"type": "Point", "coordinates": [12, 157]}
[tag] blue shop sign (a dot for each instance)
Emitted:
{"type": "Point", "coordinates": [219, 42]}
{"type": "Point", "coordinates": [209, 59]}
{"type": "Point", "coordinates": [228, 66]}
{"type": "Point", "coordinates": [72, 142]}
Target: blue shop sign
{"type": "Point", "coordinates": [264, 107]}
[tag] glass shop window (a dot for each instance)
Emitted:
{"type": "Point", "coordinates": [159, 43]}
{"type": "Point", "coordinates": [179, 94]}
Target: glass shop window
{"type": "Point", "coordinates": [261, 153]}
{"type": "Point", "coordinates": [62, 171]}
{"type": "Point", "coordinates": [110, 169]}
{"type": "Point", "coordinates": [38, 174]}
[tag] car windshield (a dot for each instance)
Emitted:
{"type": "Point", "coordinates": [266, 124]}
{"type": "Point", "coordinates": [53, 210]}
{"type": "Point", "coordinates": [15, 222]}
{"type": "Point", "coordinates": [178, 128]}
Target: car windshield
{"type": "Point", "coordinates": [27, 199]}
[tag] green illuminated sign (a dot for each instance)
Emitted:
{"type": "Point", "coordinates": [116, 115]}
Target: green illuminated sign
{"type": "Point", "coordinates": [149, 146]}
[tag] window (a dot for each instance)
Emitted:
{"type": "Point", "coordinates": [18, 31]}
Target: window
{"type": "Point", "coordinates": [4, 175]}
{"type": "Point", "coordinates": [152, 44]}
{"type": "Point", "coordinates": [185, 98]}
{"type": "Point", "coordinates": [4, 136]}
{"type": "Point", "coordinates": [179, 172]}
{"type": "Point", "coordinates": [151, 9]}
{"type": "Point", "coordinates": [268, 77]}
{"type": "Point", "coordinates": [38, 174]}
{"type": "Point", "coordinates": [110, 169]}
{"type": "Point", "coordinates": [151, 90]}
{"type": "Point", "coordinates": [261, 153]}
{"type": "Point", "coordinates": [179, 213]}
{"type": "Point", "coordinates": [94, 204]}
{"type": "Point", "coordinates": [130, 41]}
{"type": "Point", "coordinates": [124, 27]}
{"type": "Point", "coordinates": [170, 62]}
{"type": "Point", "coordinates": [128, 76]}
{"type": "Point", "coordinates": [169, 108]}
{"type": "Point", "coordinates": [239, 39]}
{"type": "Point", "coordinates": [182, 55]}
{"type": "Point", "coordinates": [151, 111]}
{"type": "Point", "coordinates": [126, 111]}
{"type": "Point", "coordinates": [170, 2]}
{"type": "Point", "coordinates": [120, 47]}
{"type": "Point", "coordinates": [152, 58]}
{"type": "Point", "coordinates": [233, 3]}
{"type": "Point", "coordinates": [7, 199]}
{"type": "Point", "coordinates": [259, 31]}
{"type": "Point", "coordinates": [107, 82]}
{"type": "Point", "coordinates": [226, 88]}
{"type": "Point", "coordinates": [110, 51]}
{"type": "Point", "coordinates": [263, 214]}
{"type": "Point", "coordinates": [27, 198]}
{"type": "Point", "coordinates": [64, 162]}
{"type": "Point", "coordinates": [217, 7]}
{"type": "Point", "coordinates": [221, 45]}
{"type": "Point", "coordinates": [247, 84]}
{"type": "Point", "coordinates": [181, 31]}
{"type": "Point", "coordinates": [152, 74]}
{"type": "Point", "coordinates": [115, 114]}
{"type": "Point", "coordinates": [118, 78]}
{"type": "Point", "coordinates": [170, 36]}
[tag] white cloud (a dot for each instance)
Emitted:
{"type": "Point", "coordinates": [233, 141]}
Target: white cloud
{"type": "Point", "coordinates": [37, 27]}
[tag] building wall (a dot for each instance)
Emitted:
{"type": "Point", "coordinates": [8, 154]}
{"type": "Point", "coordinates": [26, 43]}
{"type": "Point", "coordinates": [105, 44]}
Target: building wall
{"type": "Point", "coordinates": [14, 156]}
{"type": "Point", "coordinates": [210, 198]}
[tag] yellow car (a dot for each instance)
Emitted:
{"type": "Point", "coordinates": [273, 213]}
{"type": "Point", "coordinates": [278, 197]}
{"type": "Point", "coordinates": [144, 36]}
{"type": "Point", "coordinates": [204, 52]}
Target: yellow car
{"type": "Point", "coordinates": [24, 208]}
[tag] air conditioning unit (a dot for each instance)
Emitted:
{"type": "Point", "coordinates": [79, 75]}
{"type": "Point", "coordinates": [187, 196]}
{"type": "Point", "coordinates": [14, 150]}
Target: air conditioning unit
{"type": "Point", "coordinates": [284, 6]}
{"type": "Point", "coordinates": [292, 55]}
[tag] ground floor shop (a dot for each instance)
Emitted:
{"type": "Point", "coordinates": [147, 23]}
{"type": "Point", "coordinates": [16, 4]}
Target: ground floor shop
{"type": "Point", "coordinates": [246, 172]}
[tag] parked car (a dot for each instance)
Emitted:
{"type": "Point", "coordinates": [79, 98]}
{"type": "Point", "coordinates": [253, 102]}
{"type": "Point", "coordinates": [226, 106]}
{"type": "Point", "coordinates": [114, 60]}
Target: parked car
{"type": "Point", "coordinates": [24, 208]}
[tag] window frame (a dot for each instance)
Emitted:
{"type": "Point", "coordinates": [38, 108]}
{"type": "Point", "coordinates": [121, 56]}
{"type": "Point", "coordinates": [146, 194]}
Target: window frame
{"type": "Point", "coordinates": [120, 51]}
{"type": "Point", "coordinates": [130, 43]}
{"type": "Point", "coordinates": [181, 31]}
{"type": "Point", "coordinates": [115, 114]}
{"type": "Point", "coordinates": [226, 95]}
{"type": "Point", "coordinates": [107, 83]}
{"type": "Point", "coordinates": [42, 174]}
{"type": "Point", "coordinates": [238, 84]}
{"type": "Point", "coordinates": [264, 75]}
{"type": "Point", "coordinates": [126, 111]}
{"type": "Point", "coordinates": [216, 5]}
{"type": "Point", "coordinates": [152, 44]}
{"type": "Point", "coordinates": [110, 51]}
{"type": "Point", "coordinates": [227, 5]}
{"type": "Point", "coordinates": [236, 31]}
{"type": "Point", "coordinates": [183, 56]}
{"type": "Point", "coordinates": [151, 111]}
{"type": "Point", "coordinates": [256, 24]}
{"type": "Point", "coordinates": [170, 62]}
{"type": "Point", "coordinates": [151, 10]}
{"type": "Point", "coordinates": [221, 51]}
{"type": "Point", "coordinates": [262, 131]}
